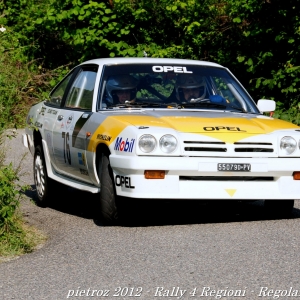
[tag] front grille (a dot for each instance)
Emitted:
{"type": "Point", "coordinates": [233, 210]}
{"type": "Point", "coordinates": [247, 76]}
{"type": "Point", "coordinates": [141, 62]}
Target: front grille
{"type": "Point", "coordinates": [253, 147]}
{"type": "Point", "coordinates": [253, 150]}
{"type": "Point", "coordinates": [205, 149]}
{"type": "Point", "coordinates": [197, 142]}
{"type": "Point", "coordinates": [241, 143]}
{"type": "Point", "coordinates": [209, 146]}
{"type": "Point", "coordinates": [202, 146]}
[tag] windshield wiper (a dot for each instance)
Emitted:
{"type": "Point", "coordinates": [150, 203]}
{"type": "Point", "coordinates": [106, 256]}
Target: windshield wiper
{"type": "Point", "coordinates": [237, 108]}
{"type": "Point", "coordinates": [149, 104]}
{"type": "Point", "coordinates": [129, 104]}
{"type": "Point", "coordinates": [201, 104]}
{"type": "Point", "coordinates": [121, 105]}
{"type": "Point", "coordinates": [240, 109]}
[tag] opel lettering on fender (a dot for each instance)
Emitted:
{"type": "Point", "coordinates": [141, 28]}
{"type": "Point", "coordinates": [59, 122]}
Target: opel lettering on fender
{"type": "Point", "coordinates": [123, 181]}
{"type": "Point", "coordinates": [122, 145]}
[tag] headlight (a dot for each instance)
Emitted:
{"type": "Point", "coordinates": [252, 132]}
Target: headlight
{"type": "Point", "coordinates": [147, 143]}
{"type": "Point", "coordinates": [168, 143]}
{"type": "Point", "coordinates": [288, 145]}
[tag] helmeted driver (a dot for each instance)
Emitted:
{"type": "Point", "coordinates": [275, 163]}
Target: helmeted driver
{"type": "Point", "coordinates": [121, 88]}
{"type": "Point", "coordinates": [190, 87]}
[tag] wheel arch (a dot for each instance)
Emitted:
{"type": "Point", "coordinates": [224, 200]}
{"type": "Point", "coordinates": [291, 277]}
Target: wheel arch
{"type": "Point", "coordinates": [101, 148]}
{"type": "Point", "coordinates": [37, 138]}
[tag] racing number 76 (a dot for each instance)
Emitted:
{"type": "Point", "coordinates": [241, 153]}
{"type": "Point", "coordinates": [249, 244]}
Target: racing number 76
{"type": "Point", "coordinates": [67, 152]}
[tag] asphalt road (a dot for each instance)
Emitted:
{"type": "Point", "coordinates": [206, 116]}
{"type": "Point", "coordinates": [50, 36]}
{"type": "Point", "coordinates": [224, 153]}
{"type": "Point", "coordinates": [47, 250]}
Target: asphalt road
{"type": "Point", "coordinates": [163, 250]}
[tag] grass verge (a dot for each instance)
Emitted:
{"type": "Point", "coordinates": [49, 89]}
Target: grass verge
{"type": "Point", "coordinates": [24, 240]}
{"type": "Point", "coordinates": [16, 237]}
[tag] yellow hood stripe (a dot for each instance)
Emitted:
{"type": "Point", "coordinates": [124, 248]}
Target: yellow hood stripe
{"type": "Point", "coordinates": [113, 126]}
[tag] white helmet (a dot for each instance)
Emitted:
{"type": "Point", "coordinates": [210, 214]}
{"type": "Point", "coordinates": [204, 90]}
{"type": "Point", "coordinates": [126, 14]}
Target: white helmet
{"type": "Point", "coordinates": [120, 82]}
{"type": "Point", "coordinates": [188, 81]}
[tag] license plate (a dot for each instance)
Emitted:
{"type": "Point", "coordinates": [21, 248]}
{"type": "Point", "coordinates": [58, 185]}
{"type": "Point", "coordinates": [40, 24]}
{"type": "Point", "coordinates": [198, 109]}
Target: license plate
{"type": "Point", "coordinates": [234, 167]}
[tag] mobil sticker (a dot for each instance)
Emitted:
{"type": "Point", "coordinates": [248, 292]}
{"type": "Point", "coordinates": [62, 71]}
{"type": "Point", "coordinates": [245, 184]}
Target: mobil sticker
{"type": "Point", "coordinates": [124, 145]}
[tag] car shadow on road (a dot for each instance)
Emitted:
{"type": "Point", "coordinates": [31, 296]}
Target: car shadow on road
{"type": "Point", "coordinates": [69, 201]}
{"type": "Point", "coordinates": [141, 212]}
{"type": "Point", "coordinates": [180, 212]}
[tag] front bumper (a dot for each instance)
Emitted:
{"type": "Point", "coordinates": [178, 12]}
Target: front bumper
{"type": "Point", "coordinates": [198, 178]}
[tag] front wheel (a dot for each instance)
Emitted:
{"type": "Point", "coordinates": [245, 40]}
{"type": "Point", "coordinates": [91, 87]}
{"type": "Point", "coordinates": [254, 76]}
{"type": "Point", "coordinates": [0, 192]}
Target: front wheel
{"type": "Point", "coordinates": [279, 208]}
{"type": "Point", "coordinates": [43, 183]}
{"type": "Point", "coordinates": [107, 205]}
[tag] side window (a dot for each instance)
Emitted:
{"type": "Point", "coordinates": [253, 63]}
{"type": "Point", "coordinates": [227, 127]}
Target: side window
{"type": "Point", "coordinates": [57, 95]}
{"type": "Point", "coordinates": [81, 92]}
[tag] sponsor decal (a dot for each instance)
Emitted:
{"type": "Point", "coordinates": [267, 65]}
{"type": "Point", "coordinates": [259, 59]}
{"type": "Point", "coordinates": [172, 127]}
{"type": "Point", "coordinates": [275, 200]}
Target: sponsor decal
{"type": "Point", "coordinates": [84, 172]}
{"type": "Point", "coordinates": [52, 111]}
{"type": "Point", "coordinates": [166, 69]}
{"type": "Point", "coordinates": [103, 137]}
{"type": "Point", "coordinates": [122, 145]}
{"type": "Point", "coordinates": [81, 159]}
{"type": "Point", "coordinates": [218, 128]}
{"type": "Point", "coordinates": [42, 112]}
{"type": "Point", "coordinates": [123, 181]}
{"type": "Point", "coordinates": [38, 124]}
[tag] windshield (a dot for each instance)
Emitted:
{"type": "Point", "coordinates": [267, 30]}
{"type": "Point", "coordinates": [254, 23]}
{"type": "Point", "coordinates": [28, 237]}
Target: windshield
{"type": "Point", "coordinates": [189, 86]}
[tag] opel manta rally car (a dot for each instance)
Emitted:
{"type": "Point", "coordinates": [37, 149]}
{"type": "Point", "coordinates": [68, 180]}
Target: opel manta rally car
{"type": "Point", "coordinates": [151, 128]}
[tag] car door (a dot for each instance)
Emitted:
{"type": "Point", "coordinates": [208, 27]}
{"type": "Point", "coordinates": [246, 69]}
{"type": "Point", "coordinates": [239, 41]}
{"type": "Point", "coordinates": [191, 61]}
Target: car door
{"type": "Point", "coordinates": [51, 111]}
{"type": "Point", "coordinates": [69, 138]}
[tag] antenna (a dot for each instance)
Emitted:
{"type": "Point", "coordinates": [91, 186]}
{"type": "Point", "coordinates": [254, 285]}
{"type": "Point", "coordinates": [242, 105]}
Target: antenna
{"type": "Point", "coordinates": [144, 52]}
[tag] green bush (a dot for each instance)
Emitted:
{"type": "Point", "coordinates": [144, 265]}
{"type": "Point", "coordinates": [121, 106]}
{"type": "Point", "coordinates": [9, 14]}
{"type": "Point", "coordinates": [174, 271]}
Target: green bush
{"type": "Point", "coordinates": [11, 232]}
{"type": "Point", "coordinates": [16, 237]}
{"type": "Point", "coordinates": [13, 239]}
{"type": "Point", "coordinates": [22, 83]}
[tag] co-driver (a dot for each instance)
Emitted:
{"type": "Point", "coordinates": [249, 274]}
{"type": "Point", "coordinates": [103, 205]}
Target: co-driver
{"type": "Point", "coordinates": [121, 88]}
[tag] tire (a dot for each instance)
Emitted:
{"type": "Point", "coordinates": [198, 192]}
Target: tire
{"type": "Point", "coordinates": [45, 186]}
{"type": "Point", "coordinates": [279, 208]}
{"type": "Point", "coordinates": [108, 200]}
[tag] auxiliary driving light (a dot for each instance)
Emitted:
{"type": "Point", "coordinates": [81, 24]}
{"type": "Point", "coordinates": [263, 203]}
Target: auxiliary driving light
{"type": "Point", "coordinates": [296, 175]}
{"type": "Point", "coordinates": [150, 174]}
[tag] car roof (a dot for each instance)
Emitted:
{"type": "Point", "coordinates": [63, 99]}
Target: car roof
{"type": "Point", "coordinates": [149, 60]}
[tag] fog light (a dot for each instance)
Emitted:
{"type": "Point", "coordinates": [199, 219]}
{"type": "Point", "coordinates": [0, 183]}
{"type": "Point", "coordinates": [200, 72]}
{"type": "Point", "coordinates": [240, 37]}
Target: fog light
{"type": "Point", "coordinates": [296, 175]}
{"type": "Point", "coordinates": [150, 174]}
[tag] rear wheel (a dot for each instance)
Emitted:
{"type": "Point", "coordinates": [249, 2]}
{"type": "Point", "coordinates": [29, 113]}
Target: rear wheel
{"type": "Point", "coordinates": [279, 208]}
{"type": "Point", "coordinates": [107, 205]}
{"type": "Point", "coordinates": [45, 186]}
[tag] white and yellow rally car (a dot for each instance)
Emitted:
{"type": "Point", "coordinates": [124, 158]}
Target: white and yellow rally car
{"type": "Point", "coordinates": [161, 129]}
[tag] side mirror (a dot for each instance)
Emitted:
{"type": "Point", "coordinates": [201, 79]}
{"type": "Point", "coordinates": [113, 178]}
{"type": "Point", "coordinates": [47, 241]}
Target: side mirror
{"type": "Point", "coordinates": [265, 105]}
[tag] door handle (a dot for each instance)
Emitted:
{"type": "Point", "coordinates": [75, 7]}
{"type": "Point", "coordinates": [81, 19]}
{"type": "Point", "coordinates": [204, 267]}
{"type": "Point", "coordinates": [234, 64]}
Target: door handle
{"type": "Point", "coordinates": [60, 117]}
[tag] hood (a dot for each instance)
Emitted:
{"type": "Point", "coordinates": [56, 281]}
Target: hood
{"type": "Point", "coordinates": [207, 122]}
